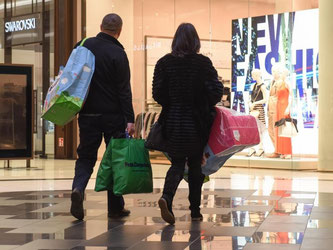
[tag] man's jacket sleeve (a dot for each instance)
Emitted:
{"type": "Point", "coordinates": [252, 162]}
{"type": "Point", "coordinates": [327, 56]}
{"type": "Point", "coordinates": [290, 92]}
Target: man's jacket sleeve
{"type": "Point", "coordinates": [124, 87]}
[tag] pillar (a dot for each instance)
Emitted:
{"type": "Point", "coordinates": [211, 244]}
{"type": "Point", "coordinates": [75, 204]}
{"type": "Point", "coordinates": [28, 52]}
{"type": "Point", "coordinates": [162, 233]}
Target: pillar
{"type": "Point", "coordinates": [326, 87]}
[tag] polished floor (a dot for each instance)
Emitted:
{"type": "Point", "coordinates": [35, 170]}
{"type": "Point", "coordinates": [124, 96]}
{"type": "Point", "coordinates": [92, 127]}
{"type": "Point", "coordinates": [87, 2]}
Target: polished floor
{"type": "Point", "coordinates": [243, 209]}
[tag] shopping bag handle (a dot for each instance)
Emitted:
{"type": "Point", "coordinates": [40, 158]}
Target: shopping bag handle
{"type": "Point", "coordinates": [128, 136]}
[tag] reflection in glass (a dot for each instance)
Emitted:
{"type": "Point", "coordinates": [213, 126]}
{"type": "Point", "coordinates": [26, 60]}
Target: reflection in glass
{"type": "Point", "coordinates": [13, 111]}
{"type": "Point", "coordinates": [278, 237]}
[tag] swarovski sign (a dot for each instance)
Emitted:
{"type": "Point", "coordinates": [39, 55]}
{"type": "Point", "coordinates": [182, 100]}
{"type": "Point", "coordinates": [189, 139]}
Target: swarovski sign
{"type": "Point", "coordinates": [20, 25]}
{"type": "Point", "coordinates": [25, 29]}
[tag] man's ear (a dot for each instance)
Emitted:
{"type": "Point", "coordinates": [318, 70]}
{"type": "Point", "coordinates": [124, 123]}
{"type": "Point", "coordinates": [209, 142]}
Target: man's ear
{"type": "Point", "coordinates": [101, 27]}
{"type": "Point", "coordinates": [119, 32]}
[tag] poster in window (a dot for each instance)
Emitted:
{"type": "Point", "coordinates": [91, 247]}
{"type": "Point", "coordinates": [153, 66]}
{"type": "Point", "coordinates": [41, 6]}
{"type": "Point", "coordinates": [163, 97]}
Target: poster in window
{"type": "Point", "coordinates": [15, 111]}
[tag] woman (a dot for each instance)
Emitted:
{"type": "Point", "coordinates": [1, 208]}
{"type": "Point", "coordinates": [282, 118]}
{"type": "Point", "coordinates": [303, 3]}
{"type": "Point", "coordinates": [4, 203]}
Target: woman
{"type": "Point", "coordinates": [257, 103]}
{"type": "Point", "coordinates": [185, 83]}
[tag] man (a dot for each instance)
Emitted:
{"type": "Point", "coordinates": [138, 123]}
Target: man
{"type": "Point", "coordinates": [107, 112]}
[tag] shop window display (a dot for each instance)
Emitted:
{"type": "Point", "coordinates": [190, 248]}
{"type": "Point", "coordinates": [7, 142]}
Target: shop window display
{"type": "Point", "coordinates": [286, 54]}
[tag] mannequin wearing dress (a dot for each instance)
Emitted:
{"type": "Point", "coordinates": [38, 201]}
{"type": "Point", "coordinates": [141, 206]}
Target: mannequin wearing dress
{"type": "Point", "coordinates": [280, 90]}
{"type": "Point", "coordinates": [257, 101]}
{"type": "Point", "coordinates": [283, 144]}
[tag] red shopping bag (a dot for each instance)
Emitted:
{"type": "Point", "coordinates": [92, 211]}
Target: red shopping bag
{"type": "Point", "coordinates": [232, 132]}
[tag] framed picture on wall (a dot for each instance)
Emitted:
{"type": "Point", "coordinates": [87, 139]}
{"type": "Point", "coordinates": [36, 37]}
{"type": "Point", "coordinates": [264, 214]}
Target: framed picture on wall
{"type": "Point", "coordinates": [16, 116]}
{"type": "Point", "coordinates": [219, 51]}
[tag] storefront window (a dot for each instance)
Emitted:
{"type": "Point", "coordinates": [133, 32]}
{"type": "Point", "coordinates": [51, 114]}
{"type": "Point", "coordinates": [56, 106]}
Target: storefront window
{"type": "Point", "coordinates": [28, 48]}
{"type": "Point", "coordinates": [148, 29]}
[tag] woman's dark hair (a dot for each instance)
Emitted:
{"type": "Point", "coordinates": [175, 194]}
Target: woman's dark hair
{"type": "Point", "coordinates": [186, 40]}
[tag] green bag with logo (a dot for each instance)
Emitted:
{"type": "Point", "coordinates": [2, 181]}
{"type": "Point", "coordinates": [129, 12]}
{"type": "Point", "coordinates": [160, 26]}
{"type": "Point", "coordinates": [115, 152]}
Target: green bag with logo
{"type": "Point", "coordinates": [104, 179]}
{"type": "Point", "coordinates": [125, 168]}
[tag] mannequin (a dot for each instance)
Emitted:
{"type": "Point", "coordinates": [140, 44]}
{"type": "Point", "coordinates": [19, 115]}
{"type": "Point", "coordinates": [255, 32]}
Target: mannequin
{"type": "Point", "coordinates": [257, 101]}
{"type": "Point", "coordinates": [283, 144]}
{"type": "Point", "coordinates": [278, 108]}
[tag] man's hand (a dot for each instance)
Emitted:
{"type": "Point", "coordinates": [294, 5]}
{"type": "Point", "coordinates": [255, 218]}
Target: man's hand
{"type": "Point", "coordinates": [130, 128]}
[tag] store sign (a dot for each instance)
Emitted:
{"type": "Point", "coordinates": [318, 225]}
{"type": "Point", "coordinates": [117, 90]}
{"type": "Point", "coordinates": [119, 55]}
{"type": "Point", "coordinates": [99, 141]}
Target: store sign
{"type": "Point", "coordinates": [23, 30]}
{"type": "Point", "coordinates": [20, 25]}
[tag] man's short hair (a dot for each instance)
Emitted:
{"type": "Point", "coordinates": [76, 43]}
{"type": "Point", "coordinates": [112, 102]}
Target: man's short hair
{"type": "Point", "coordinates": [112, 23]}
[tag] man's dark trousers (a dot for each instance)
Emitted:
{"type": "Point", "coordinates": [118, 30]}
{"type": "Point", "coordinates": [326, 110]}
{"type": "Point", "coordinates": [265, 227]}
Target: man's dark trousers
{"type": "Point", "coordinates": [93, 127]}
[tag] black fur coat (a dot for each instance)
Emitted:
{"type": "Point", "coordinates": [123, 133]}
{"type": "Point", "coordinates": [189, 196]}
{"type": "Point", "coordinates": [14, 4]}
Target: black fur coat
{"type": "Point", "coordinates": [187, 88]}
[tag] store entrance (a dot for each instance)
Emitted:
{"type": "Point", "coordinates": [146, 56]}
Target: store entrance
{"type": "Point", "coordinates": [33, 54]}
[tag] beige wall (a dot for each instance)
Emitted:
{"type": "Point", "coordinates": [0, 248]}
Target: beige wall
{"type": "Point", "coordinates": [124, 8]}
{"type": "Point", "coordinates": [326, 87]}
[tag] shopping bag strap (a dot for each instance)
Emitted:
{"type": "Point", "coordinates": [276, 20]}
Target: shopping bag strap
{"type": "Point", "coordinates": [127, 135]}
{"type": "Point", "coordinates": [82, 42]}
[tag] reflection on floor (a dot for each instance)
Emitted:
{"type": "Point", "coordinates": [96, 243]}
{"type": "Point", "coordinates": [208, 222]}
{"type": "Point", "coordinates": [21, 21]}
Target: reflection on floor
{"type": "Point", "coordinates": [234, 219]}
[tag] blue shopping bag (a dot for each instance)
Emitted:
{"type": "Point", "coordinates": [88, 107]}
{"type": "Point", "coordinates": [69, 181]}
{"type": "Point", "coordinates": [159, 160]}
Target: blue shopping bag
{"type": "Point", "coordinates": [66, 95]}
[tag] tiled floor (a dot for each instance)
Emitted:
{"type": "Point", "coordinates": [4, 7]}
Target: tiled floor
{"type": "Point", "coordinates": [243, 209]}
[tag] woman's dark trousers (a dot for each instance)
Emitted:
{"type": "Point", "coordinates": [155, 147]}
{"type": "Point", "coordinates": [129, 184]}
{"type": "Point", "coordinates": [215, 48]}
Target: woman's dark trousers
{"type": "Point", "coordinates": [175, 175]}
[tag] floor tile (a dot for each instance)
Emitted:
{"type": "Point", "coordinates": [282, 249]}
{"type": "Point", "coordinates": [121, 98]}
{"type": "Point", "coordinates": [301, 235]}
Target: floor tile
{"type": "Point", "coordinates": [322, 209]}
{"type": "Point", "coordinates": [122, 236]}
{"type": "Point", "coordinates": [88, 229]}
{"type": "Point", "coordinates": [2, 217]}
{"type": "Point", "coordinates": [324, 223]}
{"type": "Point", "coordinates": [297, 200]}
{"type": "Point", "coordinates": [206, 210]}
{"type": "Point", "coordinates": [160, 245]}
{"type": "Point", "coordinates": [304, 195]}
{"type": "Point", "coordinates": [98, 248]}
{"type": "Point", "coordinates": [263, 197]}
{"type": "Point", "coordinates": [282, 227]}
{"type": "Point", "coordinates": [7, 238]}
{"type": "Point", "coordinates": [248, 202]}
{"type": "Point", "coordinates": [286, 219]}
{"type": "Point", "coordinates": [242, 219]}
{"type": "Point", "coordinates": [219, 243]}
{"type": "Point", "coordinates": [16, 223]}
{"type": "Point", "coordinates": [319, 233]}
{"type": "Point", "coordinates": [259, 246]}
{"type": "Point", "coordinates": [318, 244]}
{"type": "Point", "coordinates": [230, 231]}
{"type": "Point", "coordinates": [321, 216]}
{"type": "Point", "coordinates": [45, 226]}
{"type": "Point", "coordinates": [230, 192]}
{"type": "Point", "coordinates": [167, 234]}
{"type": "Point", "coordinates": [278, 237]}
{"type": "Point", "coordinates": [36, 215]}
{"type": "Point", "coordinates": [253, 208]}
{"type": "Point", "coordinates": [297, 209]}
{"type": "Point", "coordinates": [49, 244]}
{"type": "Point", "coordinates": [8, 247]}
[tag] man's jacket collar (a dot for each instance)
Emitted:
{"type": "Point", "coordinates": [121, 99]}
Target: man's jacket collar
{"type": "Point", "coordinates": [110, 38]}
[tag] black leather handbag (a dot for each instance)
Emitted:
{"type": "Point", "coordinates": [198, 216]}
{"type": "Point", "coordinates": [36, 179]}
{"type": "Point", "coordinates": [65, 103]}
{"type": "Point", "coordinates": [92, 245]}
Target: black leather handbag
{"type": "Point", "coordinates": [155, 139]}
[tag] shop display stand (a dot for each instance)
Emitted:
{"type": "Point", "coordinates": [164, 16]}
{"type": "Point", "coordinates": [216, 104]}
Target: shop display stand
{"type": "Point", "coordinates": [7, 166]}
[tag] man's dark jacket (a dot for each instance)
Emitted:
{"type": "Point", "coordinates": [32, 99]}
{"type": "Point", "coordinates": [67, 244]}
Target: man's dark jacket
{"type": "Point", "coordinates": [110, 89]}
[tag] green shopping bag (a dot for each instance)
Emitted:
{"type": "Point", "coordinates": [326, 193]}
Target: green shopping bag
{"type": "Point", "coordinates": [125, 167]}
{"type": "Point", "coordinates": [104, 179]}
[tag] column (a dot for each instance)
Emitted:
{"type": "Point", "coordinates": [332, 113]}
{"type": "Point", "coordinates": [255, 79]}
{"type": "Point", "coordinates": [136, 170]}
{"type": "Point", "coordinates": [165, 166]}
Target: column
{"type": "Point", "coordinates": [326, 87]}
